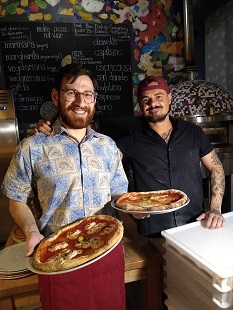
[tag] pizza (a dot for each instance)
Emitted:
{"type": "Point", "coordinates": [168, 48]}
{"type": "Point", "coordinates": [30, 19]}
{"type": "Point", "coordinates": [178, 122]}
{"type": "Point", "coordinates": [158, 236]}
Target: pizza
{"type": "Point", "coordinates": [77, 243]}
{"type": "Point", "coordinates": [152, 201]}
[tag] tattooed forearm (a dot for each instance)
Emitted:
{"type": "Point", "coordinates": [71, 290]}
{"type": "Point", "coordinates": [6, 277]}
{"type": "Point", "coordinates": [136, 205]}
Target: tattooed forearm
{"type": "Point", "coordinates": [214, 211]}
{"type": "Point", "coordinates": [215, 159]}
{"type": "Point", "coordinates": [217, 179]}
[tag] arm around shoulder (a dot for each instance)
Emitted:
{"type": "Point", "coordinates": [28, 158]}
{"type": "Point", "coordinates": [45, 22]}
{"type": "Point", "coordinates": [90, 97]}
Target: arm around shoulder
{"type": "Point", "coordinates": [43, 126]}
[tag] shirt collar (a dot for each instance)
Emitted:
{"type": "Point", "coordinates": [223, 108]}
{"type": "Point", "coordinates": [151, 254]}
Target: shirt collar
{"type": "Point", "coordinates": [150, 131]}
{"type": "Point", "coordinates": [58, 129]}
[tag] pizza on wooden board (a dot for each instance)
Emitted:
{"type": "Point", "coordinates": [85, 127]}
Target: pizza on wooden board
{"type": "Point", "coordinates": [77, 243]}
{"type": "Point", "coordinates": [152, 201]}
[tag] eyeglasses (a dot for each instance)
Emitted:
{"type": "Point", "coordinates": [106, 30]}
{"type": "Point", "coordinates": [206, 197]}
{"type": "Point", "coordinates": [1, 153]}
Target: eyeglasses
{"type": "Point", "coordinates": [88, 96]}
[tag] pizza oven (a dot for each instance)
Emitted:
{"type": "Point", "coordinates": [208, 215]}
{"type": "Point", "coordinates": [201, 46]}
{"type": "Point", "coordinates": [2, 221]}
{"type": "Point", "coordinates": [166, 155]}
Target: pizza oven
{"type": "Point", "coordinates": [219, 129]}
{"type": "Point", "coordinates": [209, 106]}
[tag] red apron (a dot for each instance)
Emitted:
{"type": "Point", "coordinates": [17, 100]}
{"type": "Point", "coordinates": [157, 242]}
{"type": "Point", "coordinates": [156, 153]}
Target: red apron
{"type": "Point", "coordinates": [98, 286]}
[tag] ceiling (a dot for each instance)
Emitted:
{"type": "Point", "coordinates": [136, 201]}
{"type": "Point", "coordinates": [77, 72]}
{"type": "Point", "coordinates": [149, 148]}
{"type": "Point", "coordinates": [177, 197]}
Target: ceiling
{"type": "Point", "coordinates": [204, 8]}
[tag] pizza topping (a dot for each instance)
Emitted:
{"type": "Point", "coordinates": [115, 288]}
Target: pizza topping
{"type": "Point", "coordinates": [90, 225]}
{"type": "Point", "coordinates": [77, 243]}
{"type": "Point", "coordinates": [60, 256]}
{"type": "Point", "coordinates": [107, 230]}
{"type": "Point", "coordinates": [80, 239]}
{"type": "Point", "coordinates": [96, 242]}
{"type": "Point", "coordinates": [145, 197]}
{"type": "Point", "coordinates": [58, 246]}
{"type": "Point", "coordinates": [72, 254]}
{"type": "Point", "coordinates": [73, 234]}
{"type": "Point", "coordinates": [94, 227]}
{"type": "Point", "coordinates": [152, 201]}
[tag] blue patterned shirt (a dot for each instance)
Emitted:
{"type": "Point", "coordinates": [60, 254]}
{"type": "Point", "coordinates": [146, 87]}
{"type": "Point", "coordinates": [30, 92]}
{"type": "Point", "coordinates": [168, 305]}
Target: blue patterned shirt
{"type": "Point", "coordinates": [72, 180]}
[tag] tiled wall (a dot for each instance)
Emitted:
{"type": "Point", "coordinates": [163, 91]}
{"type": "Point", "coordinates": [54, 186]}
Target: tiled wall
{"type": "Point", "coordinates": [219, 47]}
{"type": "Point", "coordinates": [192, 97]}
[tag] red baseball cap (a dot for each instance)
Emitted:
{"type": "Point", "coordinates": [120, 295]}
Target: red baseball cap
{"type": "Point", "coordinates": [144, 85]}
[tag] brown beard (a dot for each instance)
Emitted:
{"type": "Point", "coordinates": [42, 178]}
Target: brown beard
{"type": "Point", "coordinates": [75, 123]}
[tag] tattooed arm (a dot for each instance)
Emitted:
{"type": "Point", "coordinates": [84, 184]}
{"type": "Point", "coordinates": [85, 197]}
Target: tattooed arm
{"type": "Point", "coordinates": [217, 181]}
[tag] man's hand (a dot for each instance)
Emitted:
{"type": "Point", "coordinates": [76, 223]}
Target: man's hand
{"type": "Point", "coordinates": [140, 216]}
{"type": "Point", "coordinates": [32, 240]}
{"type": "Point", "coordinates": [214, 219]}
{"type": "Point", "coordinates": [44, 127]}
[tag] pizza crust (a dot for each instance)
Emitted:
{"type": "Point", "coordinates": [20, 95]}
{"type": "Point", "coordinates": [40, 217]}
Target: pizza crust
{"type": "Point", "coordinates": [108, 232]}
{"type": "Point", "coordinates": [154, 201]}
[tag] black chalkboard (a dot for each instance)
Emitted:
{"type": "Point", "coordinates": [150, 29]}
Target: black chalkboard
{"type": "Point", "coordinates": [31, 54]}
{"type": "Point", "coordinates": [106, 49]}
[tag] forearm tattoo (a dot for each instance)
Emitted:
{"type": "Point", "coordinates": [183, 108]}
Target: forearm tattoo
{"type": "Point", "coordinates": [217, 181]}
{"type": "Point", "coordinates": [214, 211]}
{"type": "Point", "coordinates": [215, 159]}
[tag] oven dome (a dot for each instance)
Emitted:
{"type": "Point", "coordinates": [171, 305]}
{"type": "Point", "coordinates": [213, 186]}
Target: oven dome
{"type": "Point", "coordinates": [192, 97]}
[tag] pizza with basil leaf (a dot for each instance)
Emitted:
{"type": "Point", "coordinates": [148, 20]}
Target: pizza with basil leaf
{"type": "Point", "coordinates": [77, 243]}
{"type": "Point", "coordinates": [151, 201]}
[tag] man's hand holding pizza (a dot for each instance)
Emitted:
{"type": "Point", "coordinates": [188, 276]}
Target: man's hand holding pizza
{"type": "Point", "coordinates": [77, 243]}
{"type": "Point", "coordinates": [140, 216]}
{"type": "Point", "coordinates": [32, 240]}
{"type": "Point", "coordinates": [23, 217]}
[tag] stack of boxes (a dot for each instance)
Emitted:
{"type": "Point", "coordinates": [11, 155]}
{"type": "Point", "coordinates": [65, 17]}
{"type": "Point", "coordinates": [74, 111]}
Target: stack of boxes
{"type": "Point", "coordinates": [199, 267]}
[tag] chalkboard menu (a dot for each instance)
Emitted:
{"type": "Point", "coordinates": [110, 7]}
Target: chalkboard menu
{"type": "Point", "coordinates": [32, 53]}
{"type": "Point", "coordinates": [106, 49]}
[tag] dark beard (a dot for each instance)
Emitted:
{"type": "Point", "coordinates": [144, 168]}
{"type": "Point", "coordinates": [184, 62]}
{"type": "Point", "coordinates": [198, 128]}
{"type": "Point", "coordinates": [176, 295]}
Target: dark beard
{"type": "Point", "coordinates": [75, 123]}
{"type": "Point", "coordinates": [156, 119]}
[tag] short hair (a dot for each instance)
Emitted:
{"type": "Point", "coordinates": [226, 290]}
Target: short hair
{"type": "Point", "coordinates": [73, 71]}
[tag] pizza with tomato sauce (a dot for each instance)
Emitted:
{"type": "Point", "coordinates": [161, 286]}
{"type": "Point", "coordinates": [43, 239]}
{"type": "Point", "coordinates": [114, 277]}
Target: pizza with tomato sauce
{"type": "Point", "coordinates": [77, 243]}
{"type": "Point", "coordinates": [152, 201]}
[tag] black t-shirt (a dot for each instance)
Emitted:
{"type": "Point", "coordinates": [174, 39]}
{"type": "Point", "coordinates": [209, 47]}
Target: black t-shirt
{"type": "Point", "coordinates": [157, 165]}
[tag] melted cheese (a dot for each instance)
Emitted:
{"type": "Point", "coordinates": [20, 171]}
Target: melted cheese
{"type": "Point", "coordinates": [58, 246]}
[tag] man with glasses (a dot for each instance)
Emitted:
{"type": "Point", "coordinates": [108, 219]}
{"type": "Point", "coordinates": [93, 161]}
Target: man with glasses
{"type": "Point", "coordinates": [166, 153]}
{"type": "Point", "coordinates": [74, 173]}
{"type": "Point", "coordinates": [88, 96]}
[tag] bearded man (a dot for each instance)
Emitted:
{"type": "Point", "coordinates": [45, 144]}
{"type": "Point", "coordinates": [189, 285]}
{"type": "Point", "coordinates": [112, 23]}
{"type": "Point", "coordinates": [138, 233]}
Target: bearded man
{"type": "Point", "coordinates": [73, 173]}
{"type": "Point", "coordinates": [166, 153]}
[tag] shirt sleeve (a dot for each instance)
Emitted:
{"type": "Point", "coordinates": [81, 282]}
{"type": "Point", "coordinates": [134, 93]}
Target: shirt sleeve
{"type": "Point", "coordinates": [206, 146]}
{"type": "Point", "coordinates": [18, 179]}
{"type": "Point", "coordinates": [125, 146]}
{"type": "Point", "coordinates": [119, 181]}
